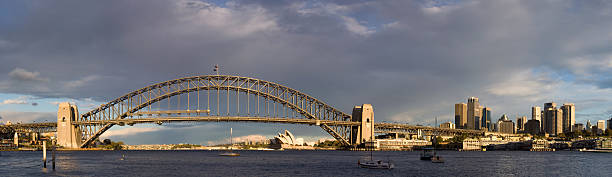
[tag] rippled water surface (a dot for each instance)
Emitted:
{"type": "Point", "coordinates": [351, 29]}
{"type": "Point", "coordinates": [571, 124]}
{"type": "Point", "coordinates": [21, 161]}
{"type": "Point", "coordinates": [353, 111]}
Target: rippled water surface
{"type": "Point", "coordinates": [305, 163]}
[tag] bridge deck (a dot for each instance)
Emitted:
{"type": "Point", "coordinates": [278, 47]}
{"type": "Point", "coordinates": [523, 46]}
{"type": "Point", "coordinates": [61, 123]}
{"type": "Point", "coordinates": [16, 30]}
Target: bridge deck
{"type": "Point", "coordinates": [220, 119]}
{"type": "Point", "coordinates": [381, 127]}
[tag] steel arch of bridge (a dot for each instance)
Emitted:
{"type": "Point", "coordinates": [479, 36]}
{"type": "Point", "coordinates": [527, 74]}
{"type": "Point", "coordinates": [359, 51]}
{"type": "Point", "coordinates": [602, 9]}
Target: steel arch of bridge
{"type": "Point", "coordinates": [95, 122]}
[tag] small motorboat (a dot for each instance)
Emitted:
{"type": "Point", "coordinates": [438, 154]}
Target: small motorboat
{"type": "Point", "coordinates": [427, 154]}
{"type": "Point", "coordinates": [376, 164]}
{"type": "Point", "coordinates": [437, 159]}
{"type": "Point", "coordinates": [232, 154]}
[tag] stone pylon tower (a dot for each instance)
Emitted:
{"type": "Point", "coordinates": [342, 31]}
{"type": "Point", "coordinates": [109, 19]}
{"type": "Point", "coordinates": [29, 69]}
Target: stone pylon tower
{"type": "Point", "coordinates": [68, 135]}
{"type": "Point", "coordinates": [364, 132]}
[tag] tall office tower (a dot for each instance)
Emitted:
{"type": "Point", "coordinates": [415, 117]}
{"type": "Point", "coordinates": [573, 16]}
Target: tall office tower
{"type": "Point", "coordinates": [536, 114]}
{"type": "Point", "coordinates": [478, 118]}
{"type": "Point", "coordinates": [520, 123]}
{"type": "Point", "coordinates": [486, 119]}
{"type": "Point", "coordinates": [569, 116]}
{"type": "Point", "coordinates": [601, 126]}
{"type": "Point", "coordinates": [505, 126]}
{"type": "Point", "coordinates": [548, 117]}
{"type": "Point", "coordinates": [532, 127]}
{"type": "Point", "coordinates": [588, 125]}
{"type": "Point", "coordinates": [461, 115]}
{"type": "Point", "coordinates": [473, 114]}
{"type": "Point", "coordinates": [610, 123]}
{"type": "Point", "coordinates": [556, 121]}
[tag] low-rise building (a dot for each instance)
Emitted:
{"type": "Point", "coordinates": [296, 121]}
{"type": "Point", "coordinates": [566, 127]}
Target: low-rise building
{"type": "Point", "coordinates": [400, 144]}
{"type": "Point", "coordinates": [471, 144]}
{"type": "Point", "coordinates": [447, 125]}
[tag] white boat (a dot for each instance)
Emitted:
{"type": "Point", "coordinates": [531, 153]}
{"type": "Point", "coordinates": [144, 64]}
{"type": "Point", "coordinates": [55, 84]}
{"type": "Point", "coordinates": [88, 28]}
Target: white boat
{"type": "Point", "coordinates": [376, 164]}
{"type": "Point", "coordinates": [230, 153]}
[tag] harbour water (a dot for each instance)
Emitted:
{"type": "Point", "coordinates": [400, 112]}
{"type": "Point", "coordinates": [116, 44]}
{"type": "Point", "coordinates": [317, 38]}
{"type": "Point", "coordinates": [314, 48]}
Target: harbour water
{"type": "Point", "coordinates": [304, 163]}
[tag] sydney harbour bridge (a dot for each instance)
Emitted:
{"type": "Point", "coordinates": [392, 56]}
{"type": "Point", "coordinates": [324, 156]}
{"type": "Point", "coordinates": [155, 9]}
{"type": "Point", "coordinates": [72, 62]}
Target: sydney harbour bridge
{"type": "Point", "coordinates": [218, 98]}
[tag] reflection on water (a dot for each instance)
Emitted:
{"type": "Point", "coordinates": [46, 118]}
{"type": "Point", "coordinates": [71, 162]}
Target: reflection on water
{"type": "Point", "coordinates": [305, 163]}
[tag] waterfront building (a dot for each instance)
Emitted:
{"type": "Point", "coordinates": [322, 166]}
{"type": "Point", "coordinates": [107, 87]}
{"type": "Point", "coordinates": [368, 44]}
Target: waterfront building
{"type": "Point", "coordinates": [471, 144]}
{"type": "Point", "coordinates": [473, 114]}
{"type": "Point", "coordinates": [400, 144]}
{"type": "Point", "coordinates": [578, 127]}
{"type": "Point", "coordinates": [461, 115]}
{"type": "Point", "coordinates": [601, 126]}
{"type": "Point", "coordinates": [520, 123]}
{"type": "Point", "coordinates": [569, 116]}
{"type": "Point", "coordinates": [486, 119]}
{"type": "Point", "coordinates": [448, 125]}
{"type": "Point", "coordinates": [532, 127]}
{"type": "Point", "coordinates": [610, 123]}
{"type": "Point", "coordinates": [505, 125]}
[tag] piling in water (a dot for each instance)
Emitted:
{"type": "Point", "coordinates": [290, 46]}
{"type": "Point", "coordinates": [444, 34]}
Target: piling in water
{"type": "Point", "coordinates": [53, 155]}
{"type": "Point", "coordinates": [44, 154]}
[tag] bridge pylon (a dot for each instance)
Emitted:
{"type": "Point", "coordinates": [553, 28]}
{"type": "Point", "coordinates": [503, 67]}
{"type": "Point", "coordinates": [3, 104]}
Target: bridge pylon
{"type": "Point", "coordinates": [68, 134]}
{"type": "Point", "coordinates": [365, 131]}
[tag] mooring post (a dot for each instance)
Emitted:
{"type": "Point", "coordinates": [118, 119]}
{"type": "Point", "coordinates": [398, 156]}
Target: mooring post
{"type": "Point", "coordinates": [44, 154]}
{"type": "Point", "coordinates": [53, 154]}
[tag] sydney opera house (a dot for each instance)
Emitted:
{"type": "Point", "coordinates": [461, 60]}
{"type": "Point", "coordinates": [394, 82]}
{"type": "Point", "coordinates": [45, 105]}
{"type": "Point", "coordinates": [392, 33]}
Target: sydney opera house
{"type": "Point", "coordinates": [286, 140]}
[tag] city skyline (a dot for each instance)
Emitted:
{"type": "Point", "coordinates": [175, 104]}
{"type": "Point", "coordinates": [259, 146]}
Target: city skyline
{"type": "Point", "coordinates": [412, 60]}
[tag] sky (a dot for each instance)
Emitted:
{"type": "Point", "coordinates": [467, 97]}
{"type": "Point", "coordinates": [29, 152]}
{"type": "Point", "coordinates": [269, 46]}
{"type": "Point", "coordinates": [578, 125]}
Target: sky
{"type": "Point", "coordinates": [412, 60]}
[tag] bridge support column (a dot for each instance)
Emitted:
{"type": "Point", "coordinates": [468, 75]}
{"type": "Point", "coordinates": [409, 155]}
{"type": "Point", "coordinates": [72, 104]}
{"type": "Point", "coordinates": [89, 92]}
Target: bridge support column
{"type": "Point", "coordinates": [364, 132]}
{"type": "Point", "coordinates": [68, 135]}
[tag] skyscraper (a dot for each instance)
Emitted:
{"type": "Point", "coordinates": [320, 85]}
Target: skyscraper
{"type": "Point", "coordinates": [486, 119]}
{"type": "Point", "coordinates": [547, 116]}
{"type": "Point", "coordinates": [461, 115]}
{"type": "Point", "coordinates": [569, 117]}
{"type": "Point", "coordinates": [557, 121]}
{"type": "Point", "coordinates": [533, 127]}
{"type": "Point", "coordinates": [536, 114]}
{"type": "Point", "coordinates": [588, 125]}
{"type": "Point", "coordinates": [473, 114]}
{"type": "Point", "coordinates": [504, 125]}
{"type": "Point", "coordinates": [601, 126]}
{"type": "Point", "coordinates": [520, 123]}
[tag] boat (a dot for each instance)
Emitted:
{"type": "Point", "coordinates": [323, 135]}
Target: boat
{"type": "Point", "coordinates": [375, 164]}
{"type": "Point", "coordinates": [230, 153]}
{"type": "Point", "coordinates": [427, 154]}
{"type": "Point", "coordinates": [437, 159]}
{"type": "Point", "coordinates": [378, 164]}
{"type": "Point", "coordinates": [597, 150]}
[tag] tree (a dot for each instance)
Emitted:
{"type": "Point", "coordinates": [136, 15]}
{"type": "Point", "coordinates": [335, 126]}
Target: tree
{"type": "Point", "coordinates": [458, 138]}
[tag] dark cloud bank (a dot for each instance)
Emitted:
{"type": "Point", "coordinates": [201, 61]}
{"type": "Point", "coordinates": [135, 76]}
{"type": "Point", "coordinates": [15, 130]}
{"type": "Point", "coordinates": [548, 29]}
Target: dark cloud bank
{"type": "Point", "coordinates": [412, 60]}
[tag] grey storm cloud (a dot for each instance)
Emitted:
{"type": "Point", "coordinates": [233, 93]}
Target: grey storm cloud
{"type": "Point", "coordinates": [412, 60]}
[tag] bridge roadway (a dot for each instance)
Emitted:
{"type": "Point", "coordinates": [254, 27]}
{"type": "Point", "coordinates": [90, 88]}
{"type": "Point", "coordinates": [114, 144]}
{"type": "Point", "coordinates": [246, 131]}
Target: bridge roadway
{"type": "Point", "coordinates": [380, 127]}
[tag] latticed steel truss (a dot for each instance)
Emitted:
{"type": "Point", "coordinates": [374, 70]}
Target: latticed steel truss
{"type": "Point", "coordinates": [239, 96]}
